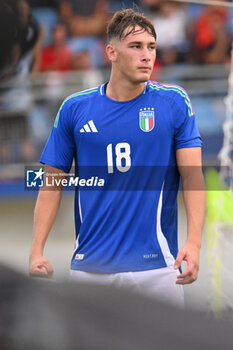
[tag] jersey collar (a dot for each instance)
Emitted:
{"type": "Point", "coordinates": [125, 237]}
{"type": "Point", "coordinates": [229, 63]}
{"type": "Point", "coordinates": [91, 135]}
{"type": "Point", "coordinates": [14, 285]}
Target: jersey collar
{"type": "Point", "coordinates": [103, 86]}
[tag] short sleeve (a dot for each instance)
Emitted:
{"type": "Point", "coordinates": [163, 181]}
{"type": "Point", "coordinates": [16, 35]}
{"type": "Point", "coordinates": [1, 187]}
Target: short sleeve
{"type": "Point", "coordinates": [186, 131]}
{"type": "Point", "coordinates": [60, 147]}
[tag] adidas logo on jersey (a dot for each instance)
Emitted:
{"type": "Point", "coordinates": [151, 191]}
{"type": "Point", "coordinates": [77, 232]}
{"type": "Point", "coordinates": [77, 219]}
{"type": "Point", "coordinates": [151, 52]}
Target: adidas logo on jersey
{"type": "Point", "coordinates": [89, 127]}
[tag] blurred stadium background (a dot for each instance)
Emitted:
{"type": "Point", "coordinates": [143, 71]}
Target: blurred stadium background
{"type": "Point", "coordinates": [64, 53]}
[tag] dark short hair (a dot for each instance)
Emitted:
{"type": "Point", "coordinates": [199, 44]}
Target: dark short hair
{"type": "Point", "coordinates": [128, 18]}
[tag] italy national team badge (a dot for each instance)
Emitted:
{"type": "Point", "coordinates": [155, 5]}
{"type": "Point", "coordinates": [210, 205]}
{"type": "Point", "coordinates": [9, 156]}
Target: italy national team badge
{"type": "Point", "coordinates": [147, 119]}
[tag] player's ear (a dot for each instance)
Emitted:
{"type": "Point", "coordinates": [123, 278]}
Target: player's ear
{"type": "Point", "coordinates": [111, 52]}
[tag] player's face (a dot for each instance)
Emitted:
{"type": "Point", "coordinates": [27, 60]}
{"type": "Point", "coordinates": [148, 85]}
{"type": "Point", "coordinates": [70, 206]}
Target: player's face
{"type": "Point", "coordinates": [134, 56]}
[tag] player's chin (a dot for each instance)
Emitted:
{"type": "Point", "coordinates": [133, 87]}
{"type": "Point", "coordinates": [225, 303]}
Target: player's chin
{"type": "Point", "coordinates": [141, 79]}
{"type": "Point", "coordinates": [144, 76]}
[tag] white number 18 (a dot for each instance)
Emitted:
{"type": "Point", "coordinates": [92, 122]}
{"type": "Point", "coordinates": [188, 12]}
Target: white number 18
{"type": "Point", "coordinates": [122, 151]}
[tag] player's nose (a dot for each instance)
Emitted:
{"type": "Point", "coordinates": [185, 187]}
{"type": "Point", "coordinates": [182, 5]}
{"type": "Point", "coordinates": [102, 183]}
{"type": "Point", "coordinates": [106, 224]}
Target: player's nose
{"type": "Point", "coordinates": [145, 57]}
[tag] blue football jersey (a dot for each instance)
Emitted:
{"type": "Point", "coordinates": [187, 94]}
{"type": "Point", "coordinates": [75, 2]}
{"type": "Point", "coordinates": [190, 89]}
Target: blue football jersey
{"type": "Point", "coordinates": [130, 223]}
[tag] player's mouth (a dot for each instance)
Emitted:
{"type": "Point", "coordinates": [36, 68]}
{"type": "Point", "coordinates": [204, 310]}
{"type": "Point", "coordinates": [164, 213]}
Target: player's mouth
{"type": "Point", "coordinates": [144, 69]}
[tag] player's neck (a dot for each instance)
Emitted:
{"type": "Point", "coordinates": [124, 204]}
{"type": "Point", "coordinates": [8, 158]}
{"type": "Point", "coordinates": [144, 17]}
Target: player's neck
{"type": "Point", "coordinates": [122, 90]}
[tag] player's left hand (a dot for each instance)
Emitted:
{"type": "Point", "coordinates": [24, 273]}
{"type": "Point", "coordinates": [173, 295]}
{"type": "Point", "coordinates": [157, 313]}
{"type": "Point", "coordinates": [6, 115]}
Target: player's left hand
{"type": "Point", "coordinates": [189, 253]}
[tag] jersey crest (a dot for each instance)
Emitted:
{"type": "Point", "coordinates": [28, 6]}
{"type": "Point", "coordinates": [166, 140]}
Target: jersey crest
{"type": "Point", "coordinates": [147, 119]}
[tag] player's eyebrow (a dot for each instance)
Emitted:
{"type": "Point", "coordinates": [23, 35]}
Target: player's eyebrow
{"type": "Point", "coordinates": [140, 42]}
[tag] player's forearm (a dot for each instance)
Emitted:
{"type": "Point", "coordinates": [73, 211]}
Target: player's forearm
{"type": "Point", "coordinates": [195, 205]}
{"type": "Point", "coordinates": [44, 216]}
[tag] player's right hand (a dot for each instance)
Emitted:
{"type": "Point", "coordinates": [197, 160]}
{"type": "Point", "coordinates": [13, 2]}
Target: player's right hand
{"type": "Point", "coordinates": [40, 267]}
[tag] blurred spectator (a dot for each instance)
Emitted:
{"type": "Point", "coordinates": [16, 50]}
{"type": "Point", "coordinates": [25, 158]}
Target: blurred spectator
{"type": "Point", "coordinates": [88, 52]}
{"type": "Point", "coordinates": [87, 17]}
{"type": "Point", "coordinates": [170, 25]}
{"type": "Point", "coordinates": [57, 56]}
{"type": "Point", "coordinates": [19, 36]}
{"type": "Point", "coordinates": [21, 43]}
{"type": "Point", "coordinates": [31, 40]}
{"type": "Point", "coordinates": [151, 4]}
{"type": "Point", "coordinates": [46, 13]}
{"type": "Point", "coordinates": [211, 42]}
{"type": "Point", "coordinates": [86, 23]}
{"type": "Point", "coordinates": [9, 35]}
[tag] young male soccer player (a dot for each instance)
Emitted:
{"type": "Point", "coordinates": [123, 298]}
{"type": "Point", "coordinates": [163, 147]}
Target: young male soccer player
{"type": "Point", "coordinates": [127, 237]}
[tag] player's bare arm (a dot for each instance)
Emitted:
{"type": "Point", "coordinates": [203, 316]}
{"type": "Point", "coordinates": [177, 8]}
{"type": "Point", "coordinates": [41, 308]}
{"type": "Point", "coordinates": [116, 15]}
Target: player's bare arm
{"type": "Point", "coordinates": [189, 164]}
{"type": "Point", "coordinates": [46, 209]}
